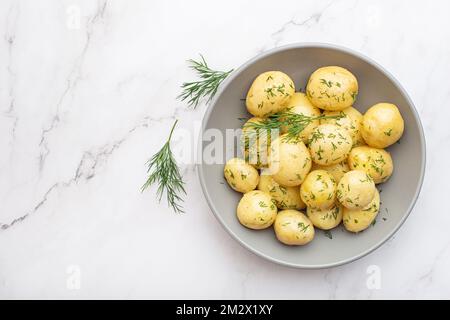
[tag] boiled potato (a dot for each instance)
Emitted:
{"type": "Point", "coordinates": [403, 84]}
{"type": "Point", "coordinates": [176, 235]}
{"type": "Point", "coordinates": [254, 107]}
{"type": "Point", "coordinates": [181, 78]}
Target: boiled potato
{"type": "Point", "coordinates": [332, 88]}
{"type": "Point", "coordinates": [270, 92]}
{"type": "Point", "coordinates": [292, 227]}
{"type": "Point", "coordinates": [337, 170]}
{"type": "Point", "coordinates": [351, 121]}
{"type": "Point", "coordinates": [241, 176]}
{"type": "Point", "coordinates": [284, 197]}
{"type": "Point", "coordinates": [329, 144]}
{"type": "Point", "coordinates": [255, 144]}
{"type": "Point", "coordinates": [256, 210]}
{"type": "Point", "coordinates": [356, 189]}
{"type": "Point", "coordinates": [382, 125]}
{"type": "Point", "coordinates": [325, 219]}
{"type": "Point", "coordinates": [318, 190]}
{"type": "Point", "coordinates": [360, 219]}
{"type": "Point", "coordinates": [300, 104]}
{"type": "Point", "coordinates": [289, 161]}
{"type": "Point", "coordinates": [376, 162]}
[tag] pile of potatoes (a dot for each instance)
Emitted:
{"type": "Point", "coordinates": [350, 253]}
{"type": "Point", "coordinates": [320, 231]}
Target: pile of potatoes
{"type": "Point", "coordinates": [327, 175]}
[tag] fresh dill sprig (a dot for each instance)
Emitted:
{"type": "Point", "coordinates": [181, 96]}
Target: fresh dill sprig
{"type": "Point", "coordinates": [206, 87]}
{"type": "Point", "coordinates": [164, 171]}
{"type": "Point", "coordinates": [294, 122]}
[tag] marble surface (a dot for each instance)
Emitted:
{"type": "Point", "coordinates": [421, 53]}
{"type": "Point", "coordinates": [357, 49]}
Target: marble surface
{"type": "Point", "coordinates": [87, 94]}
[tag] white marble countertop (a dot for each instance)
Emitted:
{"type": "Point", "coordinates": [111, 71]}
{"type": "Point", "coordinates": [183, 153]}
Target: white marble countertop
{"type": "Point", "coordinates": [88, 92]}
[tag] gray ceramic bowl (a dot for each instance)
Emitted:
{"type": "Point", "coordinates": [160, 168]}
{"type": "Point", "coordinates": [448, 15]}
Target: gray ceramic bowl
{"type": "Point", "coordinates": [398, 195]}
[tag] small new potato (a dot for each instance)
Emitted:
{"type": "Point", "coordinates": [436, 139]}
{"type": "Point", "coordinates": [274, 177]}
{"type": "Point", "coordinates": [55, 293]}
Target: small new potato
{"type": "Point", "coordinates": [318, 190]}
{"type": "Point", "coordinates": [284, 197]}
{"type": "Point", "coordinates": [356, 189]}
{"type": "Point", "coordinates": [300, 104]}
{"type": "Point", "coordinates": [337, 170]}
{"type": "Point", "coordinates": [376, 162]}
{"type": "Point", "coordinates": [351, 121]}
{"type": "Point", "coordinates": [256, 210]}
{"type": "Point", "coordinates": [293, 228]}
{"type": "Point", "coordinates": [325, 219]}
{"type": "Point", "coordinates": [332, 88]}
{"type": "Point", "coordinates": [382, 125]}
{"type": "Point", "coordinates": [358, 220]}
{"type": "Point", "coordinates": [289, 161]}
{"type": "Point", "coordinates": [329, 144]}
{"type": "Point", "coordinates": [270, 92]}
{"type": "Point", "coordinates": [241, 176]}
{"type": "Point", "coordinates": [255, 144]}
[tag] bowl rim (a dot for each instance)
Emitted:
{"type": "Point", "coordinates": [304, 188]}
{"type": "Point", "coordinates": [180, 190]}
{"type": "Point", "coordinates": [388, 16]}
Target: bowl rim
{"type": "Point", "coordinates": [275, 50]}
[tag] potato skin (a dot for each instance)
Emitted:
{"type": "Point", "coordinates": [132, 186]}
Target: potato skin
{"type": "Point", "coordinates": [293, 228]}
{"type": "Point", "coordinates": [337, 170]}
{"type": "Point", "coordinates": [241, 176]}
{"type": "Point", "coordinates": [284, 197]}
{"type": "Point", "coordinates": [289, 161]}
{"type": "Point", "coordinates": [325, 219]}
{"type": "Point", "coordinates": [318, 190]}
{"type": "Point", "coordinates": [376, 162]}
{"type": "Point", "coordinates": [361, 219]}
{"type": "Point", "coordinates": [352, 122]}
{"type": "Point", "coordinates": [329, 144]}
{"type": "Point", "coordinates": [300, 104]}
{"type": "Point", "coordinates": [356, 189]}
{"type": "Point", "coordinates": [270, 92]}
{"type": "Point", "coordinates": [382, 125]}
{"type": "Point", "coordinates": [332, 88]}
{"type": "Point", "coordinates": [256, 210]}
{"type": "Point", "coordinates": [255, 145]}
